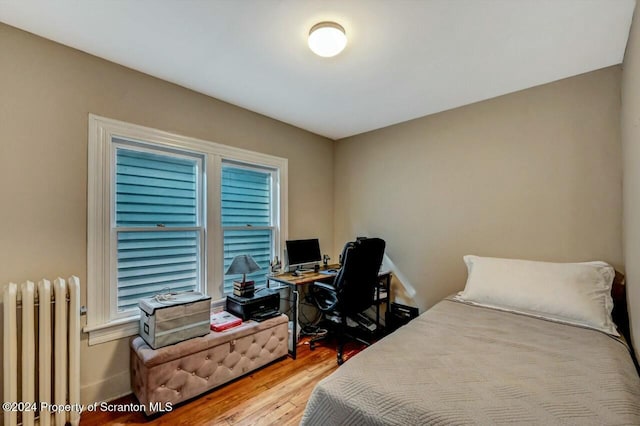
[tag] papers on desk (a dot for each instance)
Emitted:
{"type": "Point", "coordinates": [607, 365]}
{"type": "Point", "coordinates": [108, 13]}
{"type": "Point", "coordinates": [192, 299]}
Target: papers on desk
{"type": "Point", "coordinates": [329, 272]}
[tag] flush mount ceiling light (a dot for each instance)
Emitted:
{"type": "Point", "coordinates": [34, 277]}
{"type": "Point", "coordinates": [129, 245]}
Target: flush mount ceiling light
{"type": "Point", "coordinates": [327, 39]}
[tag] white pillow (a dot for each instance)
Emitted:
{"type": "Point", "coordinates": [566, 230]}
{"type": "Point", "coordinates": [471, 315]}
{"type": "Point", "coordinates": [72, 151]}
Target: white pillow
{"type": "Point", "coordinates": [577, 293]}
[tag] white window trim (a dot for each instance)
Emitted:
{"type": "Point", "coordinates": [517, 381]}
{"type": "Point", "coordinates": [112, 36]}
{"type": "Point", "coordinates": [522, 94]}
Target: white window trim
{"type": "Point", "coordinates": [114, 229]}
{"type": "Point", "coordinates": [100, 324]}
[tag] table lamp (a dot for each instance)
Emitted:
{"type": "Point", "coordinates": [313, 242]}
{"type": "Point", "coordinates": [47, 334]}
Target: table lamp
{"type": "Point", "coordinates": [242, 264]}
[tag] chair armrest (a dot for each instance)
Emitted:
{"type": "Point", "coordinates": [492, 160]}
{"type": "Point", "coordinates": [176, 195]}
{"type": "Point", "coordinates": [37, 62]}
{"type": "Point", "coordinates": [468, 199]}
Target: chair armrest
{"type": "Point", "coordinates": [324, 296]}
{"type": "Point", "coordinates": [324, 286]}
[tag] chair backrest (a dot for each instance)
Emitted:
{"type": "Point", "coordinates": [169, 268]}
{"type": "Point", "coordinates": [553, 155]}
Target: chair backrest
{"type": "Point", "coordinates": [356, 281]}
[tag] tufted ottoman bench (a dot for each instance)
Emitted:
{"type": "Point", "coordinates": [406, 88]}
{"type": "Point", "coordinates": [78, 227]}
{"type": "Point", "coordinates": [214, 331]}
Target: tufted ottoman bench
{"type": "Point", "coordinates": [179, 372]}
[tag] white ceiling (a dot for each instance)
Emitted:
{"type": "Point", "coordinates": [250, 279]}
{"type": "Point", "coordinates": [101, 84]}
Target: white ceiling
{"type": "Point", "coordinates": [404, 59]}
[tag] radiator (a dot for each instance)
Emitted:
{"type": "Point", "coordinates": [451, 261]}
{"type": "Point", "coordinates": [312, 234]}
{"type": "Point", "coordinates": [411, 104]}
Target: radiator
{"type": "Point", "coordinates": [42, 323]}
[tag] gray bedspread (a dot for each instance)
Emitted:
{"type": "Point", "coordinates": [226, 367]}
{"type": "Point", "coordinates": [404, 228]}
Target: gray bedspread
{"type": "Point", "coordinates": [462, 364]}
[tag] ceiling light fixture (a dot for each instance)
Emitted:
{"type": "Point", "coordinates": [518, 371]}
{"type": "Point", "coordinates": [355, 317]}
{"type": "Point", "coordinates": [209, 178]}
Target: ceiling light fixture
{"type": "Point", "coordinates": [327, 39]}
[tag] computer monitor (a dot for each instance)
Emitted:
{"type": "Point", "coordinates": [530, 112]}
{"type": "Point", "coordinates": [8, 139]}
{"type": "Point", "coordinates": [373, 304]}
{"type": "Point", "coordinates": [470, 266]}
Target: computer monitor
{"type": "Point", "coordinates": [302, 252]}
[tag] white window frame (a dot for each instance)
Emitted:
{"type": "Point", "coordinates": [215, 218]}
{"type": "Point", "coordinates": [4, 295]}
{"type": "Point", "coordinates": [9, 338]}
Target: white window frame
{"type": "Point", "coordinates": [102, 324]}
{"type": "Point", "coordinates": [200, 226]}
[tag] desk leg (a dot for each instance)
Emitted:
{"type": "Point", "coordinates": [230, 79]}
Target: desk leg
{"type": "Point", "coordinates": [294, 328]}
{"type": "Point", "coordinates": [378, 307]}
{"type": "Point", "coordinates": [293, 308]}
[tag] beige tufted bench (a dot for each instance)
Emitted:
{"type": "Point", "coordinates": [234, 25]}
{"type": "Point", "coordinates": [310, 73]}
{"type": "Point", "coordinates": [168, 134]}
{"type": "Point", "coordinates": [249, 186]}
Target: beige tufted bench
{"type": "Point", "coordinates": [179, 372]}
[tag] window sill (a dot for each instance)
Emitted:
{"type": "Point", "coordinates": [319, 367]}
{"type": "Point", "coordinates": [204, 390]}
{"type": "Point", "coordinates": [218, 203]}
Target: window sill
{"type": "Point", "coordinates": [129, 326]}
{"type": "Point", "coordinates": [113, 330]}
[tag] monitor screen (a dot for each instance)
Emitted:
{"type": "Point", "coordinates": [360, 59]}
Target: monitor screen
{"type": "Point", "coordinates": [303, 251]}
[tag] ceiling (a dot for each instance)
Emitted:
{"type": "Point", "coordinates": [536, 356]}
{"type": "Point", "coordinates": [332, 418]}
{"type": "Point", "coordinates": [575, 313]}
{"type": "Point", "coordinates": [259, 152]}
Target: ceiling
{"type": "Point", "coordinates": [404, 58]}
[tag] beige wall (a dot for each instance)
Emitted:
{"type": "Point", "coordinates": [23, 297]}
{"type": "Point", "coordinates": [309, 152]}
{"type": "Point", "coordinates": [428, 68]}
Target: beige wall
{"type": "Point", "coordinates": [47, 92]}
{"type": "Point", "coordinates": [534, 174]}
{"type": "Point", "coordinates": [631, 168]}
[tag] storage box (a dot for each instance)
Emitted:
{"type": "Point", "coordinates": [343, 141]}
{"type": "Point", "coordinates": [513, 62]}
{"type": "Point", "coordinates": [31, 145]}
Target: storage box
{"type": "Point", "coordinates": [171, 319]}
{"type": "Point", "coordinates": [399, 315]}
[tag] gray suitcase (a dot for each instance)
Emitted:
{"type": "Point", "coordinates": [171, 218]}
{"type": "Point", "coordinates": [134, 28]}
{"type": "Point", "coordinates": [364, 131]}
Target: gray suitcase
{"type": "Point", "coordinates": [168, 320]}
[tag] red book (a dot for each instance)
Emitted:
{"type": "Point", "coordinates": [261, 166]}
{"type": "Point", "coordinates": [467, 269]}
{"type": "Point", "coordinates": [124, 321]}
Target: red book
{"type": "Point", "coordinates": [223, 320]}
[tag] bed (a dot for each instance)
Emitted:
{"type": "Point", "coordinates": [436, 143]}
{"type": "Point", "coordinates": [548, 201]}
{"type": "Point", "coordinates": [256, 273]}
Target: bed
{"type": "Point", "coordinates": [465, 362]}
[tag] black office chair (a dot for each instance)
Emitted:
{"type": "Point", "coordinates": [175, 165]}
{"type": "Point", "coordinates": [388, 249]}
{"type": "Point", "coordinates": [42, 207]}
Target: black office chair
{"type": "Point", "coordinates": [352, 291]}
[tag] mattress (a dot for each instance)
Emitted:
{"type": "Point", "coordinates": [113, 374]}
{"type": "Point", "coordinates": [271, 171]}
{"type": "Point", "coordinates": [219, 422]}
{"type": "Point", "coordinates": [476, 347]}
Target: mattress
{"type": "Point", "coordinates": [463, 364]}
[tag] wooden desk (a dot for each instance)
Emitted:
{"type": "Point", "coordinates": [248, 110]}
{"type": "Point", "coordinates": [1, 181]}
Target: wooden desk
{"type": "Point", "coordinates": [292, 282]}
{"type": "Point", "coordinates": [288, 278]}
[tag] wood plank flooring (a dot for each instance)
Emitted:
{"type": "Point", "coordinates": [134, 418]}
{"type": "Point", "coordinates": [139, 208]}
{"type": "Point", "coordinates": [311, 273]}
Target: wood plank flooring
{"type": "Point", "coordinates": [275, 394]}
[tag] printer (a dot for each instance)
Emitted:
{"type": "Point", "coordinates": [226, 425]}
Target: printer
{"type": "Point", "coordinates": [264, 304]}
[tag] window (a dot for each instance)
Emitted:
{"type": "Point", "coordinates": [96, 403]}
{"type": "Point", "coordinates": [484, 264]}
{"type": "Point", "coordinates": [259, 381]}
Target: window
{"type": "Point", "coordinates": [158, 225]}
{"type": "Point", "coordinates": [169, 213]}
{"type": "Point", "coordinates": [249, 224]}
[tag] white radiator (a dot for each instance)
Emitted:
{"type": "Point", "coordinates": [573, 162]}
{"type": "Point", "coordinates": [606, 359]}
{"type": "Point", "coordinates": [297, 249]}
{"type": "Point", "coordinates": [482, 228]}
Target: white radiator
{"type": "Point", "coordinates": [47, 329]}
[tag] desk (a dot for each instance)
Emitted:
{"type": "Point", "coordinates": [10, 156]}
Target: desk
{"type": "Point", "coordinates": [382, 296]}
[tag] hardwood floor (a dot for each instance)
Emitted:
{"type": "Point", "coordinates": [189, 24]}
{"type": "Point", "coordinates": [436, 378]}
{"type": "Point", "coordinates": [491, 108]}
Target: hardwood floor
{"type": "Point", "coordinates": [275, 394]}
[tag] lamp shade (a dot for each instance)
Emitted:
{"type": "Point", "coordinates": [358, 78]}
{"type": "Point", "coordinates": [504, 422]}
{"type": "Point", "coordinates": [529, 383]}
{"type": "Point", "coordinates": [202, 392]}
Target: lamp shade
{"type": "Point", "coordinates": [242, 264]}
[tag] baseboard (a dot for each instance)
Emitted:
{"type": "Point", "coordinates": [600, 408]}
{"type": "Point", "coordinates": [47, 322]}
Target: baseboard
{"type": "Point", "coordinates": [111, 388]}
